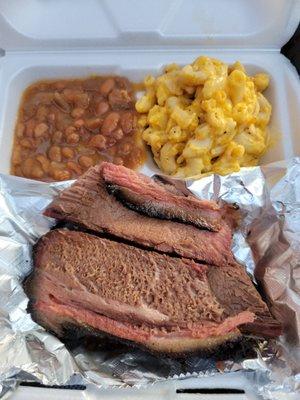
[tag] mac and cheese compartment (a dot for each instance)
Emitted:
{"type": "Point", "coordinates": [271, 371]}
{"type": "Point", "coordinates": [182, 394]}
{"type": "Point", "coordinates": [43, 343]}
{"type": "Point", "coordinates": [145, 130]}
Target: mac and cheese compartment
{"type": "Point", "coordinates": [205, 117]}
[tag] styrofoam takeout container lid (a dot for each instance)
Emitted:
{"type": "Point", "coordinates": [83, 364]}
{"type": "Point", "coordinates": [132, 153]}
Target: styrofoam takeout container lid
{"type": "Point", "coordinates": [43, 39]}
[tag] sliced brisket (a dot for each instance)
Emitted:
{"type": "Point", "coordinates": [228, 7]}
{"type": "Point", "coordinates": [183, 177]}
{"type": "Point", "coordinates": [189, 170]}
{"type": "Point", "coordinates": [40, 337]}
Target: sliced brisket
{"type": "Point", "coordinates": [88, 204]}
{"type": "Point", "coordinates": [163, 303]}
{"type": "Point", "coordinates": [232, 288]}
{"type": "Point", "coordinates": [142, 194]}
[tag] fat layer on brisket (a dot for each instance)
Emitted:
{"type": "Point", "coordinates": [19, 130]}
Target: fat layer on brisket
{"type": "Point", "coordinates": [164, 303]}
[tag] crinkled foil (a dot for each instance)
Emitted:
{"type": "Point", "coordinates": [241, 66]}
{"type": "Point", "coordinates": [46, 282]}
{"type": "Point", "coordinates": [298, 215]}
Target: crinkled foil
{"type": "Point", "coordinates": [267, 243]}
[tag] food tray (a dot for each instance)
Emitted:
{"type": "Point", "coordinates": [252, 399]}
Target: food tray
{"type": "Point", "coordinates": [51, 39]}
{"type": "Point", "coordinates": [138, 38]}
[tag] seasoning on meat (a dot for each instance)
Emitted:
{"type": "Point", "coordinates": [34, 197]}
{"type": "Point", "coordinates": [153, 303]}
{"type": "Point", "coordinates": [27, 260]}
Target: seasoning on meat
{"type": "Point", "coordinates": [163, 303]}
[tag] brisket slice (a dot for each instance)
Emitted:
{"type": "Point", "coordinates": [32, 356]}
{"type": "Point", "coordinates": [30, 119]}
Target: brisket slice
{"type": "Point", "coordinates": [231, 287]}
{"type": "Point", "coordinates": [163, 303]}
{"type": "Point", "coordinates": [88, 204]}
{"type": "Point", "coordinates": [142, 194]}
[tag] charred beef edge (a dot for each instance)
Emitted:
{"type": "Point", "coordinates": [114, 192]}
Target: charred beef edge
{"type": "Point", "coordinates": [116, 191]}
{"type": "Point", "coordinates": [77, 335]}
{"type": "Point", "coordinates": [228, 349]}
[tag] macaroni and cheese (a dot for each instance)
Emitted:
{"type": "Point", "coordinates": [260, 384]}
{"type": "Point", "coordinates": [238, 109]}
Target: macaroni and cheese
{"type": "Point", "coordinates": [205, 117]}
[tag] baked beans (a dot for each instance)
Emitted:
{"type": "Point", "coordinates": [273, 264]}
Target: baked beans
{"type": "Point", "coordinates": [66, 126]}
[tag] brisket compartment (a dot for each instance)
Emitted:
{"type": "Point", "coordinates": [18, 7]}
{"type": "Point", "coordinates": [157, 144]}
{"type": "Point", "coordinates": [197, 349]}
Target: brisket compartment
{"type": "Point", "coordinates": [114, 281]}
{"type": "Point", "coordinates": [163, 303]}
{"type": "Point", "coordinates": [87, 203]}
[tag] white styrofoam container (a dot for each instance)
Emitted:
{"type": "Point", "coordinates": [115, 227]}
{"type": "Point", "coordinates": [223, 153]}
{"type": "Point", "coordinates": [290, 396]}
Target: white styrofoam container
{"type": "Point", "coordinates": [74, 38]}
{"type": "Point", "coordinates": [159, 391]}
{"type": "Point", "coordinates": [42, 39]}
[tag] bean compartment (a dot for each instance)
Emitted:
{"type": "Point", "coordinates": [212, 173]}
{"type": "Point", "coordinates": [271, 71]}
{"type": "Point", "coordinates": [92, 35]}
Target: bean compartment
{"type": "Point", "coordinates": [66, 126]}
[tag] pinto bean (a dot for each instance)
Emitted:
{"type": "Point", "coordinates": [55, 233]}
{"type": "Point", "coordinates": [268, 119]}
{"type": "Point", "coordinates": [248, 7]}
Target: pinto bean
{"type": "Point", "coordinates": [125, 148]}
{"type": "Point", "coordinates": [79, 123]}
{"type": "Point", "coordinates": [27, 167]}
{"type": "Point", "coordinates": [119, 99]}
{"type": "Point", "coordinates": [51, 117]}
{"type": "Point", "coordinates": [63, 121]}
{"type": "Point", "coordinates": [102, 108]}
{"type": "Point", "coordinates": [73, 167]}
{"type": "Point", "coordinates": [37, 172]}
{"type": "Point", "coordinates": [93, 123]}
{"type": "Point", "coordinates": [117, 134]}
{"type": "Point", "coordinates": [41, 130]}
{"type": "Point", "coordinates": [61, 174]}
{"type": "Point", "coordinates": [57, 137]}
{"type": "Point", "coordinates": [71, 94]}
{"type": "Point", "coordinates": [16, 155]}
{"type": "Point", "coordinates": [41, 113]}
{"type": "Point", "coordinates": [111, 142]}
{"type": "Point", "coordinates": [30, 125]}
{"type": "Point", "coordinates": [67, 152]}
{"type": "Point", "coordinates": [73, 138]}
{"type": "Point", "coordinates": [107, 86]}
{"type": "Point", "coordinates": [20, 130]}
{"type": "Point", "coordinates": [54, 153]}
{"type": "Point", "coordinates": [77, 112]}
{"type": "Point", "coordinates": [32, 169]}
{"type": "Point", "coordinates": [82, 100]}
{"type": "Point", "coordinates": [98, 141]}
{"type": "Point", "coordinates": [70, 130]}
{"type": "Point", "coordinates": [127, 122]}
{"type": "Point", "coordinates": [110, 123]}
{"type": "Point", "coordinates": [43, 160]}
{"type": "Point", "coordinates": [61, 102]}
{"type": "Point", "coordinates": [28, 143]}
{"type": "Point", "coordinates": [85, 161]}
{"type": "Point", "coordinates": [118, 160]}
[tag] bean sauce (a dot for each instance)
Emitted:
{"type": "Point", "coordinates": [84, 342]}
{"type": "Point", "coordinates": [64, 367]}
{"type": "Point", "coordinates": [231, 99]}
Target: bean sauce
{"type": "Point", "coordinates": [66, 126]}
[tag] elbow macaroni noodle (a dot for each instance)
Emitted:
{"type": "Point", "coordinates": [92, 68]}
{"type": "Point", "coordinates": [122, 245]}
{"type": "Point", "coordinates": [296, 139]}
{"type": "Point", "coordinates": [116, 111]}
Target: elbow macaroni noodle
{"type": "Point", "coordinates": [205, 117]}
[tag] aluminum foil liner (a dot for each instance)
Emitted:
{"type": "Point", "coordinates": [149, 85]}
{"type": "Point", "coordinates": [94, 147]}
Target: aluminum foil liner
{"type": "Point", "coordinates": [267, 243]}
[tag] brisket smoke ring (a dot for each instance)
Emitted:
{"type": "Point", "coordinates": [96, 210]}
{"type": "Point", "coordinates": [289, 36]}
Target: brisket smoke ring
{"type": "Point", "coordinates": [129, 290]}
